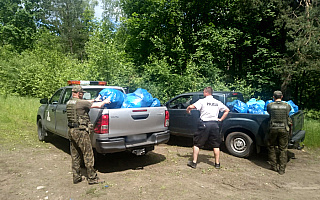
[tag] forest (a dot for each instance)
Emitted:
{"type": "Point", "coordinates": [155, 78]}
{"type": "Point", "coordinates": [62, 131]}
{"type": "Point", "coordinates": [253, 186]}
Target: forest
{"type": "Point", "coordinates": [165, 46]}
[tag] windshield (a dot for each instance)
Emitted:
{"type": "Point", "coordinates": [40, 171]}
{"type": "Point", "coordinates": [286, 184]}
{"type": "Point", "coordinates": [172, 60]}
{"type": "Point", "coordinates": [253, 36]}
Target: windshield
{"type": "Point", "coordinates": [91, 93]}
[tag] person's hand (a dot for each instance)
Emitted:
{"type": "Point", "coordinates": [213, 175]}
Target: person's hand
{"type": "Point", "coordinates": [107, 101]}
{"type": "Point", "coordinates": [97, 99]}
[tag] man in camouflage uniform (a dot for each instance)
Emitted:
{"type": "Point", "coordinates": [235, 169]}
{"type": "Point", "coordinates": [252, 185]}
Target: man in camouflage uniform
{"type": "Point", "coordinates": [80, 143]}
{"type": "Point", "coordinates": [279, 132]}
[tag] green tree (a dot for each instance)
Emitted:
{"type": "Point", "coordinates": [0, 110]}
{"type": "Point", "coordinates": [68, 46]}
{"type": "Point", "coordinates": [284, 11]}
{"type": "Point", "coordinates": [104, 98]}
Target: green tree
{"type": "Point", "coordinates": [72, 20]}
{"type": "Point", "coordinates": [18, 22]}
{"type": "Point", "coordinates": [301, 62]}
{"type": "Point", "coordinates": [108, 60]}
{"type": "Point", "coordinates": [38, 72]}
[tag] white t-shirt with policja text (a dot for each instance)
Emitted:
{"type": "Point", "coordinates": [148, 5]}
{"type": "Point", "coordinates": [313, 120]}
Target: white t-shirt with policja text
{"type": "Point", "coordinates": [209, 108]}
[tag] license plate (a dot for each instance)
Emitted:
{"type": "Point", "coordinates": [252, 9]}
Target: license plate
{"type": "Point", "coordinates": [133, 138]}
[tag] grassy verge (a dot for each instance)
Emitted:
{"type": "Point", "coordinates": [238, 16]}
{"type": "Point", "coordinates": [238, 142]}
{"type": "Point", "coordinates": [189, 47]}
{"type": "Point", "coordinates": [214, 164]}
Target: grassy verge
{"type": "Point", "coordinates": [18, 121]}
{"type": "Point", "coordinates": [312, 128]}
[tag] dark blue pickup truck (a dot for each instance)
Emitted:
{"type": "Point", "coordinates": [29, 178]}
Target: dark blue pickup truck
{"type": "Point", "coordinates": [242, 132]}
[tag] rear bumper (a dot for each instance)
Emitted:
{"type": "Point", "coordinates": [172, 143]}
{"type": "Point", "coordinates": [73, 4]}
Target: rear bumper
{"type": "Point", "coordinates": [294, 142]}
{"type": "Point", "coordinates": [113, 145]}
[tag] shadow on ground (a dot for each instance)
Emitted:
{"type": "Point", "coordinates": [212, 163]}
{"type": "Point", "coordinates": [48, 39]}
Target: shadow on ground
{"type": "Point", "coordinates": [59, 142]}
{"type": "Point", "coordinates": [260, 159]}
{"type": "Point", "coordinates": [122, 161]}
{"type": "Point", "coordinates": [180, 141]}
{"type": "Point", "coordinates": [112, 162]}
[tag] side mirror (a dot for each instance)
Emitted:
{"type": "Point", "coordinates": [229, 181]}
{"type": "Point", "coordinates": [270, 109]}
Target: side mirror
{"type": "Point", "coordinates": [44, 101]}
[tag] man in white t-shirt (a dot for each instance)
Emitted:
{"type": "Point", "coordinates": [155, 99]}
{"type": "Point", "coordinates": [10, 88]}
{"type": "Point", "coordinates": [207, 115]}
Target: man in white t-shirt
{"type": "Point", "coordinates": [208, 128]}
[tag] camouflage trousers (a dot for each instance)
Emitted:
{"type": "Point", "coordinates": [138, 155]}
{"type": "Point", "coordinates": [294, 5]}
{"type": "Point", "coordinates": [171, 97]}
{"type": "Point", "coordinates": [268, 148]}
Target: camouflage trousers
{"type": "Point", "coordinates": [278, 156]}
{"type": "Point", "coordinates": [81, 149]}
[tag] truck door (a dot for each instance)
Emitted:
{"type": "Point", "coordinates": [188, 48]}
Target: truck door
{"type": "Point", "coordinates": [50, 113]}
{"type": "Point", "coordinates": [182, 123]}
{"type": "Point", "coordinates": [61, 114]}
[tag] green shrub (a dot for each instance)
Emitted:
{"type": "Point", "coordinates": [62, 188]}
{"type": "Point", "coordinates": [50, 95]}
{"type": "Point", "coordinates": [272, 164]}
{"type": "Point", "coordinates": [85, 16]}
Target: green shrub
{"type": "Point", "coordinates": [312, 114]}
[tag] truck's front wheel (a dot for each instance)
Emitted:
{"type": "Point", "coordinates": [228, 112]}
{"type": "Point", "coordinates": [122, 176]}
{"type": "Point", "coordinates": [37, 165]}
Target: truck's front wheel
{"type": "Point", "coordinates": [41, 132]}
{"type": "Point", "coordinates": [239, 144]}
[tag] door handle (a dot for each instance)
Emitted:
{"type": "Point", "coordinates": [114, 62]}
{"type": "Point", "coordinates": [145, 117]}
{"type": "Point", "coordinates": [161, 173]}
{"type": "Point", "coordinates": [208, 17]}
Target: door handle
{"type": "Point", "coordinates": [64, 111]}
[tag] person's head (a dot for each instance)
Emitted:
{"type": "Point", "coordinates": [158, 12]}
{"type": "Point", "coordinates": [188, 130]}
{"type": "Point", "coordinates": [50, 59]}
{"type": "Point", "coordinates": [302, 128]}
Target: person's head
{"type": "Point", "coordinates": [77, 91]}
{"type": "Point", "coordinates": [277, 95]}
{"type": "Point", "coordinates": [207, 91]}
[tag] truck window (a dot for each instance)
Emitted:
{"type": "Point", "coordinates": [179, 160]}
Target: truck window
{"type": "Point", "coordinates": [91, 93]}
{"type": "Point", "coordinates": [67, 95]}
{"type": "Point", "coordinates": [181, 103]}
{"type": "Point", "coordinates": [55, 98]}
{"type": "Point", "coordinates": [231, 98]}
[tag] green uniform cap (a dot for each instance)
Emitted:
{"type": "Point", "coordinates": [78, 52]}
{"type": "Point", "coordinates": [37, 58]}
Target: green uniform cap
{"type": "Point", "coordinates": [77, 88]}
{"type": "Point", "coordinates": [277, 93]}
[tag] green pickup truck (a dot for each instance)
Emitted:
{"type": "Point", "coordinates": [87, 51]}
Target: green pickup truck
{"type": "Point", "coordinates": [242, 132]}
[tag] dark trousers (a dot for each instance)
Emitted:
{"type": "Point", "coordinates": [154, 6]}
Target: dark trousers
{"type": "Point", "coordinates": [278, 137]}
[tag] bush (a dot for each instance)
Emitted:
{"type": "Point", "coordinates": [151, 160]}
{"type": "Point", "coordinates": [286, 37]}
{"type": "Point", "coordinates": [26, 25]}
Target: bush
{"type": "Point", "coordinates": [312, 114]}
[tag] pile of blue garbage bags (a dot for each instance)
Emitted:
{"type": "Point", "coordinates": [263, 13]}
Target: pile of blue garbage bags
{"type": "Point", "coordinates": [254, 106]}
{"type": "Point", "coordinates": [139, 98]}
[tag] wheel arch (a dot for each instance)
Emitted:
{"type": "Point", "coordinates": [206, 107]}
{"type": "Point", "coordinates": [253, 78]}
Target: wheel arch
{"type": "Point", "coordinates": [38, 117]}
{"type": "Point", "coordinates": [243, 130]}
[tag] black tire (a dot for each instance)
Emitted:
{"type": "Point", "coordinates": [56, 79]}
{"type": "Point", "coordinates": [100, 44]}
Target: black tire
{"type": "Point", "coordinates": [239, 144]}
{"type": "Point", "coordinates": [42, 134]}
{"type": "Point", "coordinates": [97, 156]}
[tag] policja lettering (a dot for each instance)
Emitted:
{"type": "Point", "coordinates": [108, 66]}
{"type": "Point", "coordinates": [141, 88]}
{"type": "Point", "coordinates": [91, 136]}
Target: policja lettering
{"type": "Point", "coordinates": [212, 104]}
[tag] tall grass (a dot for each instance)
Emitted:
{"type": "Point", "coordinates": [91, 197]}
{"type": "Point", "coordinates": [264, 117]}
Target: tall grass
{"type": "Point", "coordinates": [18, 120]}
{"type": "Point", "coordinates": [312, 128]}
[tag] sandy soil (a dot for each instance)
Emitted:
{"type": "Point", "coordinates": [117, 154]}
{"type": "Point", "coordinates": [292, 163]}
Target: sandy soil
{"type": "Point", "coordinates": [44, 172]}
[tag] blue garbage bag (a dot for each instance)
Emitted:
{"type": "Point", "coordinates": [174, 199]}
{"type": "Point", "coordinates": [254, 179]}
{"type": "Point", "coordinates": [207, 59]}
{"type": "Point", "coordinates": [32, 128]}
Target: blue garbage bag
{"type": "Point", "coordinates": [240, 107]}
{"type": "Point", "coordinates": [116, 97]}
{"type": "Point", "coordinates": [261, 103]}
{"type": "Point", "coordinates": [139, 98]}
{"type": "Point", "coordinates": [267, 102]}
{"type": "Point", "coordinates": [146, 97]}
{"type": "Point", "coordinates": [294, 107]}
{"type": "Point", "coordinates": [155, 103]}
{"type": "Point", "coordinates": [251, 101]}
{"type": "Point", "coordinates": [131, 101]}
{"type": "Point", "coordinates": [231, 104]}
{"type": "Point", "coordinates": [255, 109]}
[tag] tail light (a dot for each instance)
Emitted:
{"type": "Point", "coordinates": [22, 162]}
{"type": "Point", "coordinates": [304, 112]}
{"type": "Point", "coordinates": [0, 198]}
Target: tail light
{"type": "Point", "coordinates": [102, 126]}
{"type": "Point", "coordinates": [166, 119]}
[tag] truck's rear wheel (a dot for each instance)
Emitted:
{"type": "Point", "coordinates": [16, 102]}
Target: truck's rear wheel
{"type": "Point", "coordinates": [239, 144]}
{"type": "Point", "coordinates": [42, 134]}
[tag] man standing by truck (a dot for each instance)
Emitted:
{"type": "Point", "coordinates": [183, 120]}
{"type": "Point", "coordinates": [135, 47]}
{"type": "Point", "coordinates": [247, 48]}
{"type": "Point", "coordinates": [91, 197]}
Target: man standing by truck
{"type": "Point", "coordinates": [208, 129]}
{"type": "Point", "coordinates": [279, 132]}
{"type": "Point", "coordinates": [80, 143]}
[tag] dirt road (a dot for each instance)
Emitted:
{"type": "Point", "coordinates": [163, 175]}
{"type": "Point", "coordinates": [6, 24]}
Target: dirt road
{"type": "Point", "coordinates": [44, 172]}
